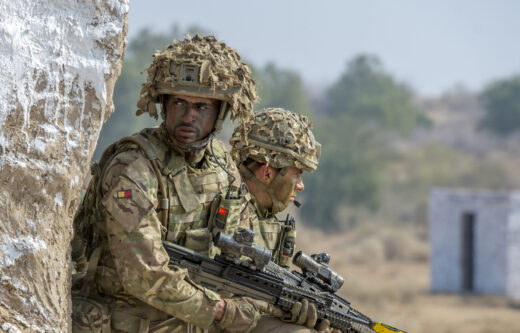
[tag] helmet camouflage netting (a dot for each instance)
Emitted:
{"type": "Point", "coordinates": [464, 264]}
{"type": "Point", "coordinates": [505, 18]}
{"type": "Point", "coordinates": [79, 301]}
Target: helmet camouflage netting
{"type": "Point", "coordinates": [201, 67]}
{"type": "Point", "coordinates": [279, 138]}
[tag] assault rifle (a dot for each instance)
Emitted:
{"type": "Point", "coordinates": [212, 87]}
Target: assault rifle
{"type": "Point", "coordinates": [260, 278]}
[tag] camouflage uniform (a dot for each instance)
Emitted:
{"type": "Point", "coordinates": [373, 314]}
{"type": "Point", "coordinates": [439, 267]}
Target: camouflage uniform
{"type": "Point", "coordinates": [148, 192]}
{"type": "Point", "coordinates": [280, 139]}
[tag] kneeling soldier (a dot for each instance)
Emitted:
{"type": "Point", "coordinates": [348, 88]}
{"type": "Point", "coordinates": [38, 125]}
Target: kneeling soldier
{"type": "Point", "coordinates": [160, 184]}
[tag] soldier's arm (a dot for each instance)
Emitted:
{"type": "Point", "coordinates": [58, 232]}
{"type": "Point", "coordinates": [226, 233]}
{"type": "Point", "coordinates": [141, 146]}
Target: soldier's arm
{"type": "Point", "coordinates": [134, 240]}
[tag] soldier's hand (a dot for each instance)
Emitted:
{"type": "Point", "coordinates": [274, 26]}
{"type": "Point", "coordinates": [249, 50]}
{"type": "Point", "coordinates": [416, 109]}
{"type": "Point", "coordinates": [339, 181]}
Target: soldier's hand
{"type": "Point", "coordinates": [303, 313]}
{"type": "Point", "coordinates": [324, 327]}
{"type": "Point", "coordinates": [242, 314]}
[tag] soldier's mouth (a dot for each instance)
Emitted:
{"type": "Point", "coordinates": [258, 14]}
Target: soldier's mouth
{"type": "Point", "coordinates": [186, 131]}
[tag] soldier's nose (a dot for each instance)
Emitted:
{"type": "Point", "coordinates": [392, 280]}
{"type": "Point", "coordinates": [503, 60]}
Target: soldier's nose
{"type": "Point", "coordinates": [299, 185]}
{"type": "Point", "coordinates": [190, 115]}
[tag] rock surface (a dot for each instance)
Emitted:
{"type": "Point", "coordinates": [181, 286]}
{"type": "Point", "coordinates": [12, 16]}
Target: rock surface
{"type": "Point", "coordinates": [59, 61]}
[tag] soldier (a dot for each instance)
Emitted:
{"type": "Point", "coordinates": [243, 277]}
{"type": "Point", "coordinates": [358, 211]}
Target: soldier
{"type": "Point", "coordinates": [280, 147]}
{"type": "Point", "coordinates": [160, 184]}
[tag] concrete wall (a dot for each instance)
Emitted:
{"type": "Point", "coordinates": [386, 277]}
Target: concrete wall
{"type": "Point", "coordinates": [444, 255]}
{"type": "Point", "coordinates": [491, 211]}
{"type": "Point", "coordinates": [513, 251]}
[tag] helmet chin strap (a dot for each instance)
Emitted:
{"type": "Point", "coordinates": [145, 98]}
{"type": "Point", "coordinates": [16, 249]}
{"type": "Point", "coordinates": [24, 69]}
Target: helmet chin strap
{"type": "Point", "coordinates": [278, 205]}
{"type": "Point", "coordinates": [193, 146]}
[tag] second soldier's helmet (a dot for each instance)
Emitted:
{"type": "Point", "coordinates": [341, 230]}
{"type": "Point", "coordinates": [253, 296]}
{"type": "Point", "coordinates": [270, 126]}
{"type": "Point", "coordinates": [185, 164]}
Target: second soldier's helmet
{"type": "Point", "coordinates": [279, 138]}
{"type": "Point", "coordinates": [200, 67]}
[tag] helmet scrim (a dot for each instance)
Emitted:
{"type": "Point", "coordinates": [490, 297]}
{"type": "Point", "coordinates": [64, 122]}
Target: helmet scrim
{"type": "Point", "coordinates": [201, 67]}
{"type": "Point", "coordinates": [279, 138]}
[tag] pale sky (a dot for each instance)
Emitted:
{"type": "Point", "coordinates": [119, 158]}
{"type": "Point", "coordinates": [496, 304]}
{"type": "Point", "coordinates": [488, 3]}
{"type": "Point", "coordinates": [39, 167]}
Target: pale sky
{"type": "Point", "coordinates": [430, 45]}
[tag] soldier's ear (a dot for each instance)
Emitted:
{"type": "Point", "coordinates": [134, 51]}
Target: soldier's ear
{"type": "Point", "coordinates": [264, 173]}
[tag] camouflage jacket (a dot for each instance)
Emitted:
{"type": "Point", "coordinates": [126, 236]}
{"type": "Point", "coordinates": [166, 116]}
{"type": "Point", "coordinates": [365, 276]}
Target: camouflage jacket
{"type": "Point", "coordinates": [133, 271]}
{"type": "Point", "coordinates": [270, 233]}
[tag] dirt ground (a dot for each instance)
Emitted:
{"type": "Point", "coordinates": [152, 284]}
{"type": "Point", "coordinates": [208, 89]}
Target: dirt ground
{"type": "Point", "coordinates": [396, 291]}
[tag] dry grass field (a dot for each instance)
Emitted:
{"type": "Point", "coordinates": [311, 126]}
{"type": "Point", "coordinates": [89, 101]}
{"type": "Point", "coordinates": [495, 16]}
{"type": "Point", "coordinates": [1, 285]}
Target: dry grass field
{"type": "Point", "coordinates": [387, 277]}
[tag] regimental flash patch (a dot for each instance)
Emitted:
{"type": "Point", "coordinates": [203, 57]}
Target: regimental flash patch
{"type": "Point", "coordinates": [124, 194]}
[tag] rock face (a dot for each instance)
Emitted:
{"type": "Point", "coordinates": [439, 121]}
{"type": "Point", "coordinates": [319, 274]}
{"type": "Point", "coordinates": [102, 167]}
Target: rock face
{"type": "Point", "coordinates": [59, 61]}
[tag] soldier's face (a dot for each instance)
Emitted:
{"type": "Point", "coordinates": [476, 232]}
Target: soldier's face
{"type": "Point", "coordinates": [189, 119]}
{"type": "Point", "coordinates": [290, 183]}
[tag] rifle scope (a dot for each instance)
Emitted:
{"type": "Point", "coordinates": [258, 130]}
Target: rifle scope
{"type": "Point", "coordinates": [230, 246]}
{"type": "Point", "coordinates": [306, 263]}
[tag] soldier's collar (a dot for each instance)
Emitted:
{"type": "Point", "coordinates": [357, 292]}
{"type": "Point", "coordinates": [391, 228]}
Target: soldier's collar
{"type": "Point", "coordinates": [262, 212]}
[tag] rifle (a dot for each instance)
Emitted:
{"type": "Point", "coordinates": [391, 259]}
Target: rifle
{"type": "Point", "coordinates": [262, 279]}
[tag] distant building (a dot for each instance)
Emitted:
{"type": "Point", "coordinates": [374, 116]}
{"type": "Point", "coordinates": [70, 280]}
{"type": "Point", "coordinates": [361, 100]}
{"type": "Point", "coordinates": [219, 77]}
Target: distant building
{"type": "Point", "coordinates": [475, 242]}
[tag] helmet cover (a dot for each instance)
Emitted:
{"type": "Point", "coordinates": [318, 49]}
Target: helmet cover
{"type": "Point", "coordinates": [279, 138]}
{"type": "Point", "coordinates": [200, 67]}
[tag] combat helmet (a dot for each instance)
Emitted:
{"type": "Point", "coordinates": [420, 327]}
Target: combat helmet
{"type": "Point", "coordinates": [200, 67]}
{"type": "Point", "coordinates": [279, 138]}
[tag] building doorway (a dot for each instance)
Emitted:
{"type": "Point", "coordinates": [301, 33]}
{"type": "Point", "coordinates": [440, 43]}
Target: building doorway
{"type": "Point", "coordinates": [468, 251]}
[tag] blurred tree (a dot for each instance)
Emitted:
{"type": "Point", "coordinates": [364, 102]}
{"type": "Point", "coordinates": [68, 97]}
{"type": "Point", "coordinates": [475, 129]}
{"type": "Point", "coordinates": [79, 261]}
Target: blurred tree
{"type": "Point", "coordinates": [348, 173]}
{"type": "Point", "coordinates": [369, 95]}
{"type": "Point", "coordinates": [501, 101]}
{"type": "Point", "coordinates": [360, 109]}
{"type": "Point", "coordinates": [138, 57]}
{"type": "Point", "coordinates": [281, 88]}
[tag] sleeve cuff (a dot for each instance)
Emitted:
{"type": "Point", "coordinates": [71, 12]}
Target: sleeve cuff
{"type": "Point", "coordinates": [203, 315]}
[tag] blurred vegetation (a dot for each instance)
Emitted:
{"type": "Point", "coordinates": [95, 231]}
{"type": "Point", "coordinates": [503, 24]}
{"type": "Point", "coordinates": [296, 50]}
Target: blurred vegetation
{"type": "Point", "coordinates": [501, 100]}
{"type": "Point", "coordinates": [348, 173]}
{"type": "Point", "coordinates": [370, 95]}
{"type": "Point", "coordinates": [365, 119]}
{"type": "Point", "coordinates": [281, 88]}
{"type": "Point", "coordinates": [362, 108]}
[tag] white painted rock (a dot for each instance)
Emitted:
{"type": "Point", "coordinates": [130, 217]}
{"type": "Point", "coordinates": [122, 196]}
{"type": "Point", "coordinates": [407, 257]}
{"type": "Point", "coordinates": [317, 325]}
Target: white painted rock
{"type": "Point", "coordinates": [59, 61]}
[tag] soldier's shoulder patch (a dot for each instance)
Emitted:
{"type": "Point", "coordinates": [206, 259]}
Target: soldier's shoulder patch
{"type": "Point", "coordinates": [127, 204]}
{"type": "Point", "coordinates": [123, 194]}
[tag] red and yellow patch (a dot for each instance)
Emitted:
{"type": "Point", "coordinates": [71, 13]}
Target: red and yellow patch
{"type": "Point", "coordinates": [222, 211]}
{"type": "Point", "coordinates": [124, 194]}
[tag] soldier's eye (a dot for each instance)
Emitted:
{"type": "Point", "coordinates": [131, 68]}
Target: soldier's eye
{"type": "Point", "coordinates": [179, 103]}
{"type": "Point", "coordinates": [203, 107]}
